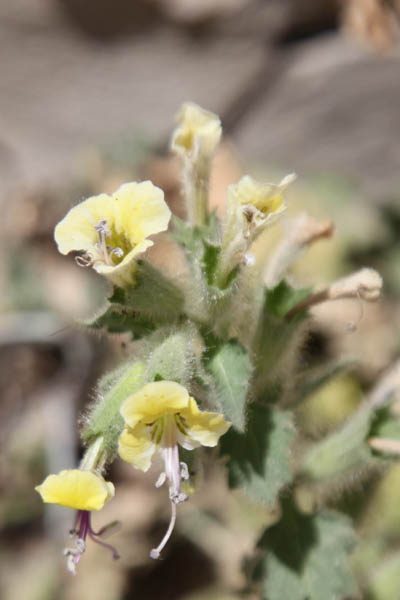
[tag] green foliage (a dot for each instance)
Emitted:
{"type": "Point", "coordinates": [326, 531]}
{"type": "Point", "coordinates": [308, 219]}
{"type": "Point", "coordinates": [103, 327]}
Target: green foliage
{"type": "Point", "coordinates": [153, 295]}
{"type": "Point", "coordinates": [385, 424]}
{"type": "Point", "coordinates": [230, 369]}
{"type": "Point", "coordinates": [104, 418]}
{"type": "Point", "coordinates": [385, 580]}
{"type": "Point", "coordinates": [152, 300]}
{"type": "Point", "coordinates": [275, 335]}
{"type": "Point", "coordinates": [283, 298]}
{"type": "Point", "coordinates": [173, 358]}
{"type": "Point", "coordinates": [201, 245]}
{"type": "Point", "coordinates": [306, 557]}
{"type": "Point", "coordinates": [259, 460]}
{"type": "Point", "coordinates": [344, 454]}
{"type": "Point", "coordinates": [233, 344]}
{"type": "Point", "coordinates": [119, 319]}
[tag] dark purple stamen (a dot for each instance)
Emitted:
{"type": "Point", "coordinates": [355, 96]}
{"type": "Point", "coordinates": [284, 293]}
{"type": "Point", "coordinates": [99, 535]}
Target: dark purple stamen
{"type": "Point", "coordinates": [82, 529]}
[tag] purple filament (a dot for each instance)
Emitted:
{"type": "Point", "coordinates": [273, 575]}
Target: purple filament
{"type": "Point", "coordinates": [84, 528]}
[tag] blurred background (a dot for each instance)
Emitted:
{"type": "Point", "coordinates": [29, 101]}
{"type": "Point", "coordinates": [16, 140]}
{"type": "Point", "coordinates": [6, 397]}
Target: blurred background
{"type": "Point", "coordinates": [88, 94]}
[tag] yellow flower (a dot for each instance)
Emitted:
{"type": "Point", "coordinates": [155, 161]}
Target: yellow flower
{"type": "Point", "coordinates": [259, 202]}
{"type": "Point", "coordinates": [161, 416]}
{"type": "Point", "coordinates": [82, 490]}
{"type": "Point", "coordinates": [198, 131]}
{"type": "Point", "coordinates": [112, 231]}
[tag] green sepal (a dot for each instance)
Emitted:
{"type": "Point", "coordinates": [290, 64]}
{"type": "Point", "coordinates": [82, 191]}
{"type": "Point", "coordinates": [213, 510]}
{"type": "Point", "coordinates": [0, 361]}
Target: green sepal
{"type": "Point", "coordinates": [385, 424]}
{"type": "Point", "coordinates": [202, 245]}
{"type": "Point", "coordinates": [307, 557]}
{"type": "Point", "coordinates": [115, 318]}
{"type": "Point", "coordinates": [276, 334]}
{"type": "Point", "coordinates": [104, 418]}
{"type": "Point", "coordinates": [230, 371]}
{"type": "Point", "coordinates": [282, 298]}
{"type": "Point", "coordinates": [153, 295]}
{"type": "Point", "coordinates": [173, 358]}
{"type": "Point", "coordinates": [152, 300]}
{"type": "Point", "coordinates": [259, 460]}
{"type": "Point", "coordinates": [344, 455]}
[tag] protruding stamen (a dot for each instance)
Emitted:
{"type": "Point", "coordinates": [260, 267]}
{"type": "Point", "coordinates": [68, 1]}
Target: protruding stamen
{"type": "Point", "coordinates": [81, 530]}
{"type": "Point", "coordinates": [103, 231]}
{"type": "Point", "coordinates": [352, 325]}
{"type": "Point", "coordinates": [118, 252]}
{"type": "Point", "coordinates": [155, 553]}
{"type": "Point", "coordinates": [161, 480]}
{"type": "Point", "coordinates": [102, 227]}
{"type": "Point", "coordinates": [173, 473]}
{"type": "Point", "coordinates": [74, 555]}
{"type": "Point", "coordinates": [108, 529]}
{"type": "Point", "coordinates": [95, 539]}
{"type": "Point", "coordinates": [184, 471]}
{"type": "Point", "coordinates": [86, 260]}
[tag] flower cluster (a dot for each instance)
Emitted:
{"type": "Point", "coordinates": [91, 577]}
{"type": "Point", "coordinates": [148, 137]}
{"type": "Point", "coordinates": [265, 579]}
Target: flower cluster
{"type": "Point", "coordinates": [217, 333]}
{"type": "Point", "coordinates": [161, 415]}
{"type": "Point", "coordinates": [109, 233]}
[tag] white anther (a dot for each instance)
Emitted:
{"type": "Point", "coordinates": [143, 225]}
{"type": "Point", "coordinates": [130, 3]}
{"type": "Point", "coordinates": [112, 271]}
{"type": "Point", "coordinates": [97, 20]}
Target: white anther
{"type": "Point", "coordinates": [102, 227]}
{"type": "Point", "coordinates": [71, 564]}
{"type": "Point", "coordinates": [117, 252]}
{"type": "Point", "coordinates": [161, 480]}
{"type": "Point", "coordinates": [177, 498]}
{"type": "Point", "coordinates": [249, 260]}
{"type": "Point", "coordinates": [184, 471]}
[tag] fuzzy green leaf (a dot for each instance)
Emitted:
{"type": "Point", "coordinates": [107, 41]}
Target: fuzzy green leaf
{"type": "Point", "coordinates": [231, 370]}
{"type": "Point", "coordinates": [153, 295]}
{"type": "Point", "coordinates": [118, 319]}
{"type": "Point", "coordinates": [282, 298]}
{"type": "Point", "coordinates": [259, 460]}
{"type": "Point", "coordinates": [276, 335]}
{"type": "Point", "coordinates": [307, 557]}
{"type": "Point", "coordinates": [344, 455]}
{"type": "Point", "coordinates": [173, 358]}
{"type": "Point", "coordinates": [385, 424]}
{"type": "Point", "coordinates": [104, 418]}
{"type": "Point", "coordinates": [201, 244]}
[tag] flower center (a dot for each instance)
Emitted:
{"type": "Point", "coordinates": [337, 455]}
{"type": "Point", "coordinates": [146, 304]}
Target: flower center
{"type": "Point", "coordinates": [108, 254]}
{"type": "Point", "coordinates": [165, 433]}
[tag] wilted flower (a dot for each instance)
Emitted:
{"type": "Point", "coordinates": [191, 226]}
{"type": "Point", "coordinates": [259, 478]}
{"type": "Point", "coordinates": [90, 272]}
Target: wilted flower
{"type": "Point", "coordinates": [85, 491]}
{"type": "Point", "coordinates": [162, 415]}
{"type": "Point", "coordinates": [198, 132]}
{"type": "Point", "coordinates": [112, 231]}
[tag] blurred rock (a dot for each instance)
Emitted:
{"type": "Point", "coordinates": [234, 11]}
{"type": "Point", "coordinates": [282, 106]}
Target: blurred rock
{"type": "Point", "coordinates": [334, 110]}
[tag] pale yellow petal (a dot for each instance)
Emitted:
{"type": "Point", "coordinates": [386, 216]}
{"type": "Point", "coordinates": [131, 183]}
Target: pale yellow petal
{"type": "Point", "coordinates": [153, 401]}
{"type": "Point", "coordinates": [82, 490]}
{"type": "Point", "coordinates": [136, 447]}
{"type": "Point", "coordinates": [140, 210]}
{"type": "Point", "coordinates": [266, 197]}
{"type": "Point", "coordinates": [77, 230]}
{"type": "Point", "coordinates": [203, 427]}
{"type": "Point", "coordinates": [197, 129]}
{"type": "Point", "coordinates": [104, 269]}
